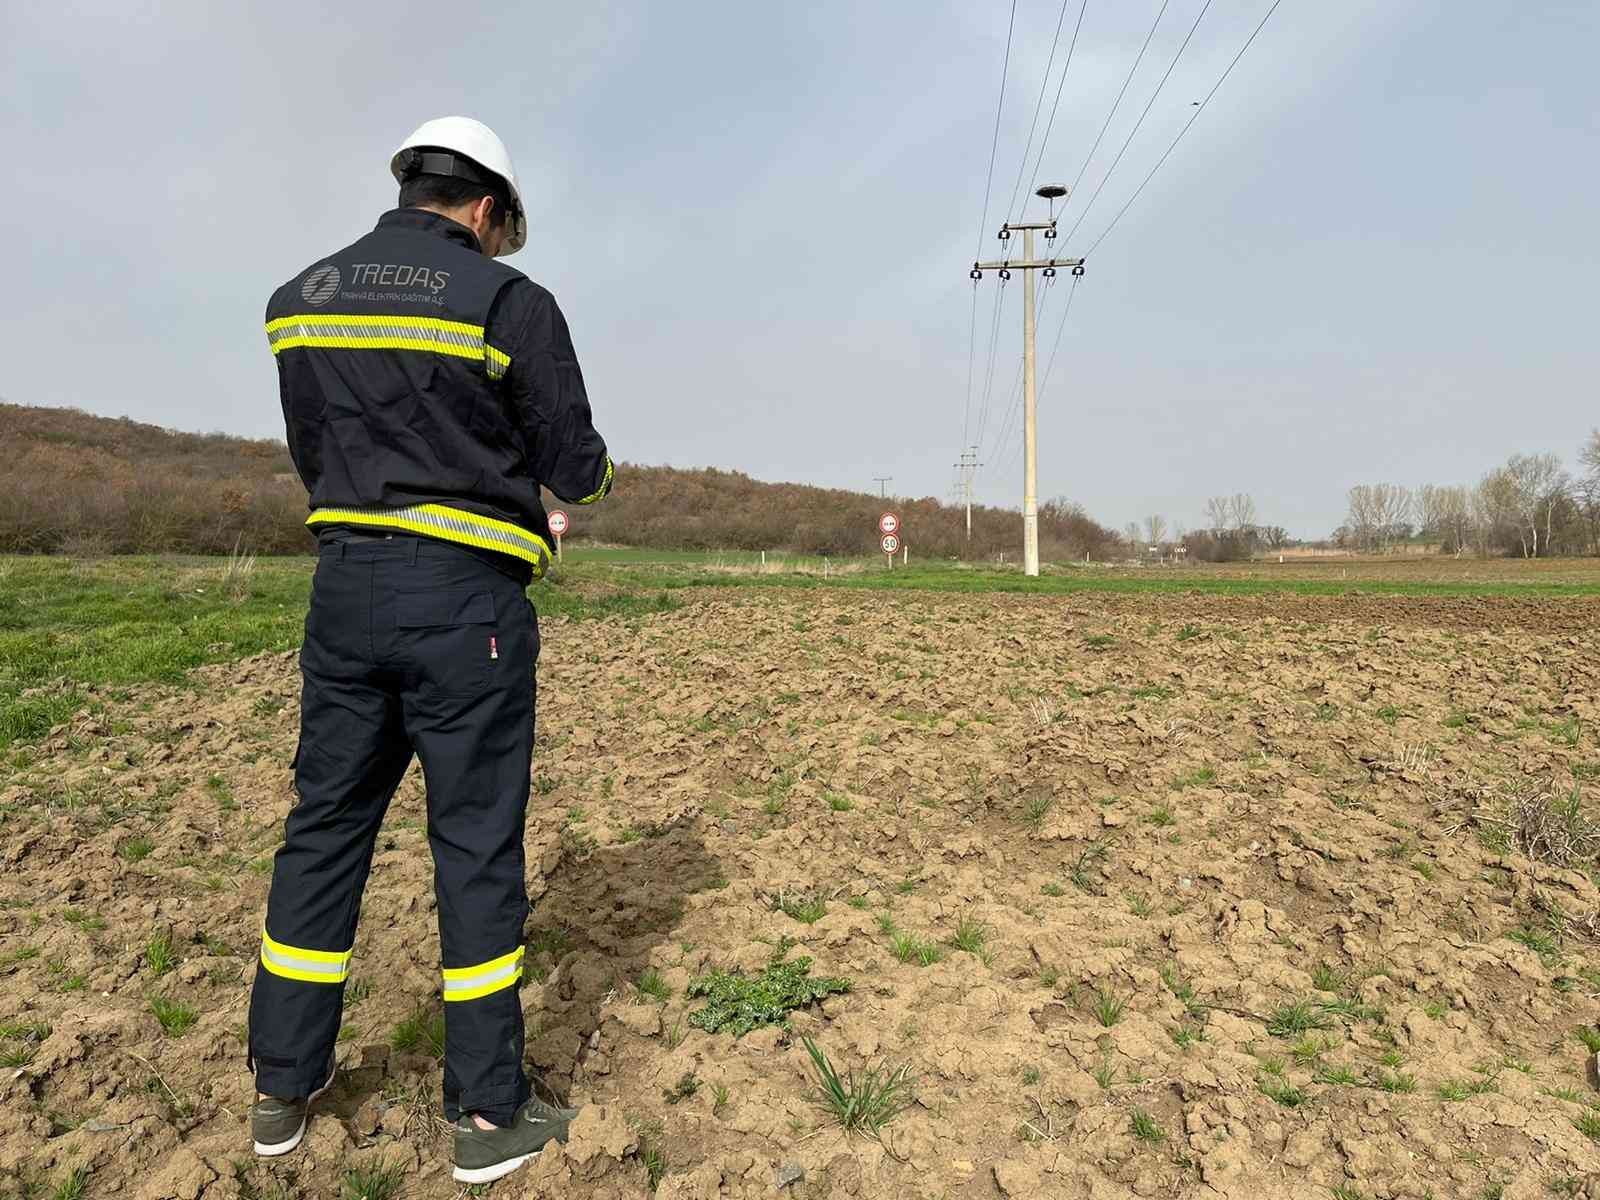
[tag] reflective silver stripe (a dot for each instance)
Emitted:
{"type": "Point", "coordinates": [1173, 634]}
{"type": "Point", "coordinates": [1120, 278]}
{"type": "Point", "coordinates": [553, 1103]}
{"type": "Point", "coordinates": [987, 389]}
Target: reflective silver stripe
{"type": "Point", "coordinates": [334, 971]}
{"type": "Point", "coordinates": [510, 971]}
{"type": "Point", "coordinates": [425, 334]}
{"type": "Point", "coordinates": [449, 524]}
{"type": "Point", "coordinates": [367, 332]}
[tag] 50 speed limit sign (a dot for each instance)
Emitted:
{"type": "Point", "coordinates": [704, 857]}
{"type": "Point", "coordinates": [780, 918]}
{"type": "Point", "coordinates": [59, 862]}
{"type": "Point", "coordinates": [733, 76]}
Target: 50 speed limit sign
{"type": "Point", "coordinates": [889, 523]}
{"type": "Point", "coordinates": [890, 544]}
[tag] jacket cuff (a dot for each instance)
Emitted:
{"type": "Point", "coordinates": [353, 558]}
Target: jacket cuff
{"type": "Point", "coordinates": [604, 489]}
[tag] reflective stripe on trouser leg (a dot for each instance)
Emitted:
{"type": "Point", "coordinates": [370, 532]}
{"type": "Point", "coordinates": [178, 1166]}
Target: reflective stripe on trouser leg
{"type": "Point", "coordinates": [470, 983]}
{"type": "Point", "coordinates": [308, 966]}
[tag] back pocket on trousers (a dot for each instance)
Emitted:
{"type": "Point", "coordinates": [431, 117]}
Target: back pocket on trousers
{"type": "Point", "coordinates": [450, 636]}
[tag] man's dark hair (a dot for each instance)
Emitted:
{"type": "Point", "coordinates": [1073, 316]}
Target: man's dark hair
{"type": "Point", "coordinates": [448, 191]}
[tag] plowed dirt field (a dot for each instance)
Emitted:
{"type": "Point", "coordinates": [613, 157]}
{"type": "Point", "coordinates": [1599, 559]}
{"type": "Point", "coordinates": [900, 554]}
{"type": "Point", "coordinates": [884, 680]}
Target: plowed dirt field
{"type": "Point", "coordinates": [1171, 896]}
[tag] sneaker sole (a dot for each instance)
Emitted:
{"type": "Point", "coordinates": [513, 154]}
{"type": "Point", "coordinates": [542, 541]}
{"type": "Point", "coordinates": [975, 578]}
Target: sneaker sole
{"type": "Point", "coordinates": [489, 1174]}
{"type": "Point", "coordinates": [273, 1149]}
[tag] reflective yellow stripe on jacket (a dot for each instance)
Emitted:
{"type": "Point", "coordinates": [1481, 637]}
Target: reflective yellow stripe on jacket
{"type": "Point", "coordinates": [430, 335]}
{"type": "Point", "coordinates": [447, 524]}
{"type": "Point", "coordinates": [605, 485]}
{"type": "Point", "coordinates": [469, 983]}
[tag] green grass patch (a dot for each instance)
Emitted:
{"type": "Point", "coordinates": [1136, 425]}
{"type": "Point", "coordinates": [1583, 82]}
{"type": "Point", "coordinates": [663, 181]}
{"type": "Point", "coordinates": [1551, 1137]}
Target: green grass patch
{"type": "Point", "coordinates": [174, 1016]}
{"type": "Point", "coordinates": [420, 1033]}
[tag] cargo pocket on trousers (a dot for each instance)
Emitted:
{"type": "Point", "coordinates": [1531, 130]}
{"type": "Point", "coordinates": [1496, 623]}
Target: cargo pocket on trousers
{"type": "Point", "coordinates": [451, 639]}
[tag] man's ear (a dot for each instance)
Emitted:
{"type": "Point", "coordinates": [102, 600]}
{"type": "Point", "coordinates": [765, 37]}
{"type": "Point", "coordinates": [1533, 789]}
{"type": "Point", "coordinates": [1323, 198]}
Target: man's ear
{"type": "Point", "coordinates": [483, 211]}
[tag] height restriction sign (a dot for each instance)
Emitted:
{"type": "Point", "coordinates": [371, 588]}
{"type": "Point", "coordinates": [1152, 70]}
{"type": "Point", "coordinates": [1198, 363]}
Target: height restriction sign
{"type": "Point", "coordinates": [889, 523]}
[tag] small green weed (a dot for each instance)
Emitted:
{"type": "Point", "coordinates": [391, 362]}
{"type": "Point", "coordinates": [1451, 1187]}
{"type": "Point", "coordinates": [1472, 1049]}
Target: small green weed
{"type": "Point", "coordinates": [1281, 1091]}
{"type": "Point", "coordinates": [686, 1087]}
{"type": "Point", "coordinates": [866, 1103]}
{"type": "Point", "coordinates": [159, 954]}
{"type": "Point", "coordinates": [1465, 1089]}
{"type": "Point", "coordinates": [806, 907]}
{"type": "Point", "coordinates": [970, 935]}
{"type": "Point", "coordinates": [71, 1186]}
{"type": "Point", "coordinates": [908, 947]}
{"type": "Point", "coordinates": [1290, 1020]}
{"type": "Point", "coordinates": [652, 985]}
{"type": "Point", "coordinates": [1108, 1008]}
{"type": "Point", "coordinates": [420, 1033]}
{"type": "Point", "coordinates": [736, 1003]}
{"type": "Point", "coordinates": [372, 1181]}
{"type": "Point", "coordinates": [1145, 1128]}
{"type": "Point", "coordinates": [174, 1016]}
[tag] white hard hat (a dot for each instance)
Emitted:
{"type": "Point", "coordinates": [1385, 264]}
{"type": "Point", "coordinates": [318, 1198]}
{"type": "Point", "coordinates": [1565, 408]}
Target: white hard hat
{"type": "Point", "coordinates": [463, 138]}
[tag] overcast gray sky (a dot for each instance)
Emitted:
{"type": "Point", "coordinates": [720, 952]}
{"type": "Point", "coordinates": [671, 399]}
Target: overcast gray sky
{"type": "Point", "coordinates": [1371, 258]}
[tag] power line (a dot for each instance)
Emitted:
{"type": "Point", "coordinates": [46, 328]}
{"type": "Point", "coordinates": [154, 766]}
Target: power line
{"type": "Point", "coordinates": [1056, 104]}
{"type": "Point", "coordinates": [1014, 406]}
{"type": "Point", "coordinates": [1003, 445]}
{"type": "Point", "coordinates": [1044, 87]}
{"type": "Point", "coordinates": [1192, 118]}
{"type": "Point", "coordinates": [994, 145]}
{"type": "Point", "coordinates": [994, 347]}
{"type": "Point", "coordinates": [1149, 104]}
{"type": "Point", "coordinates": [1117, 103]}
{"type": "Point", "coordinates": [1051, 365]}
{"type": "Point", "coordinates": [972, 349]}
{"type": "Point", "coordinates": [1014, 403]}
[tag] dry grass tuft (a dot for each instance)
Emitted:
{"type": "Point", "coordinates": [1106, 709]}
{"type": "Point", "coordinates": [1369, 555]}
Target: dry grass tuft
{"type": "Point", "coordinates": [1545, 822]}
{"type": "Point", "coordinates": [1555, 829]}
{"type": "Point", "coordinates": [237, 573]}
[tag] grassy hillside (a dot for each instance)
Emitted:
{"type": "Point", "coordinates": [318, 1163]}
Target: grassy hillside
{"type": "Point", "coordinates": [72, 482]}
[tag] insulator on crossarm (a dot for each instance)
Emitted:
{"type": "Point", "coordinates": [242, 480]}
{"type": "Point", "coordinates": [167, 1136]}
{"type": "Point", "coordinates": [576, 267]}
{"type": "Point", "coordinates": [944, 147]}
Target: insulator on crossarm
{"type": "Point", "coordinates": [1005, 235]}
{"type": "Point", "coordinates": [1004, 274]}
{"type": "Point", "coordinates": [975, 273]}
{"type": "Point", "coordinates": [1078, 270]}
{"type": "Point", "coordinates": [1049, 272]}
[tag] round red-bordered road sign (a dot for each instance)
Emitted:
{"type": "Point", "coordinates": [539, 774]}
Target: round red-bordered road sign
{"type": "Point", "coordinates": [558, 522]}
{"type": "Point", "coordinates": [890, 543]}
{"type": "Point", "coordinates": [889, 523]}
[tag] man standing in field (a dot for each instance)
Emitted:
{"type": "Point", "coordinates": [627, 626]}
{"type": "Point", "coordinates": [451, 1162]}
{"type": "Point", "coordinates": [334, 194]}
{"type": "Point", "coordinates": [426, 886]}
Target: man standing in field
{"type": "Point", "coordinates": [428, 391]}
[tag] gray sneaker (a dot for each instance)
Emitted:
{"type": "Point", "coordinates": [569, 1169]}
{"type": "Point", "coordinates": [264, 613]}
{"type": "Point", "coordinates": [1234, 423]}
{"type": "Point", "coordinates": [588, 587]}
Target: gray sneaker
{"type": "Point", "coordinates": [278, 1125]}
{"type": "Point", "coordinates": [484, 1155]}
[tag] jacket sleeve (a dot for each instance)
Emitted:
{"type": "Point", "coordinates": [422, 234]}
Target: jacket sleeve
{"type": "Point", "coordinates": [545, 386]}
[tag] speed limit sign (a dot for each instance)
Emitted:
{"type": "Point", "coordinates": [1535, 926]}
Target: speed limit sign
{"type": "Point", "coordinates": [558, 526]}
{"type": "Point", "coordinates": [891, 544]}
{"type": "Point", "coordinates": [889, 523]}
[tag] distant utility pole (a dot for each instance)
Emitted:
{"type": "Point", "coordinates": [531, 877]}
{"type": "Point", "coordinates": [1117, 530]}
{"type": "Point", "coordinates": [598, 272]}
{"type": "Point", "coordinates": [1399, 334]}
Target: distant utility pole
{"type": "Point", "coordinates": [1027, 264]}
{"type": "Point", "coordinates": [968, 464]}
{"type": "Point", "coordinates": [882, 481]}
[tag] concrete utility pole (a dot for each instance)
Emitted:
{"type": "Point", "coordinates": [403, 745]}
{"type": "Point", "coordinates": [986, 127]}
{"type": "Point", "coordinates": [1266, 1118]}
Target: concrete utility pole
{"type": "Point", "coordinates": [883, 482]}
{"type": "Point", "coordinates": [1027, 264]}
{"type": "Point", "coordinates": [968, 464]}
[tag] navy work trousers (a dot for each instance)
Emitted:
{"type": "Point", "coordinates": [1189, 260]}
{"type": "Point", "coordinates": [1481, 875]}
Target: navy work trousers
{"type": "Point", "coordinates": [411, 646]}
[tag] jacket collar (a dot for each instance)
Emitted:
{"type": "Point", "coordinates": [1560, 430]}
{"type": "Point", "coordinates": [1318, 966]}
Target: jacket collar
{"type": "Point", "coordinates": [430, 222]}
